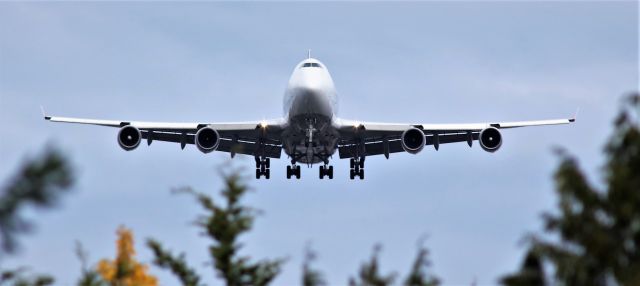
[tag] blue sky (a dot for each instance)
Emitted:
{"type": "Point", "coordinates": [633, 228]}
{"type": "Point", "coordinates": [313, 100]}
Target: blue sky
{"type": "Point", "coordinates": [406, 62]}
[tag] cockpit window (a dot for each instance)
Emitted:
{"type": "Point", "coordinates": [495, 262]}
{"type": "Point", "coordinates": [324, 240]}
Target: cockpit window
{"type": "Point", "coordinates": [315, 65]}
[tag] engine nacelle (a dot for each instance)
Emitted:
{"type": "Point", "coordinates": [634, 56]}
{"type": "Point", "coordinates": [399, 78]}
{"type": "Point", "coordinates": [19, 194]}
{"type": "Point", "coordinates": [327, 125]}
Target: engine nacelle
{"type": "Point", "coordinates": [207, 139]}
{"type": "Point", "coordinates": [129, 137]}
{"type": "Point", "coordinates": [490, 139]}
{"type": "Point", "coordinates": [413, 140]}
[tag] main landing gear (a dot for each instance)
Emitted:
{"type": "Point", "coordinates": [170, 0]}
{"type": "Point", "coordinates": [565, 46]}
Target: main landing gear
{"type": "Point", "coordinates": [357, 168]}
{"type": "Point", "coordinates": [326, 170]}
{"type": "Point", "coordinates": [262, 167]}
{"type": "Point", "coordinates": [293, 170]}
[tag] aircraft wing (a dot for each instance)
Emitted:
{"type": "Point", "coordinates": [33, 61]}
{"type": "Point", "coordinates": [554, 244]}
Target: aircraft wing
{"type": "Point", "coordinates": [250, 138]}
{"type": "Point", "coordinates": [376, 138]}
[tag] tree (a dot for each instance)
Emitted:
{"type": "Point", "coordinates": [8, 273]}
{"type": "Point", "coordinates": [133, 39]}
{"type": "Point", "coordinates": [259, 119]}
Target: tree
{"type": "Point", "coordinates": [599, 230]}
{"type": "Point", "coordinates": [39, 182]}
{"type": "Point", "coordinates": [124, 270]}
{"type": "Point", "coordinates": [223, 224]}
{"type": "Point", "coordinates": [369, 274]}
{"type": "Point", "coordinates": [419, 275]}
{"type": "Point", "coordinates": [310, 276]}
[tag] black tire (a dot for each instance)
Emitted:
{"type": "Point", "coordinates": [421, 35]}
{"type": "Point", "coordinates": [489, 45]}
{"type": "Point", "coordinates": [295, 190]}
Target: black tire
{"type": "Point", "coordinates": [267, 162]}
{"type": "Point", "coordinates": [352, 174]}
{"type": "Point", "coordinates": [361, 164]}
{"type": "Point", "coordinates": [361, 175]}
{"type": "Point", "coordinates": [321, 172]}
{"type": "Point", "coordinates": [257, 162]}
{"type": "Point", "coordinates": [258, 174]}
{"type": "Point", "coordinates": [330, 172]}
{"type": "Point", "coordinates": [298, 172]}
{"type": "Point", "coordinates": [289, 172]}
{"type": "Point", "coordinates": [267, 174]}
{"type": "Point", "coordinates": [352, 163]}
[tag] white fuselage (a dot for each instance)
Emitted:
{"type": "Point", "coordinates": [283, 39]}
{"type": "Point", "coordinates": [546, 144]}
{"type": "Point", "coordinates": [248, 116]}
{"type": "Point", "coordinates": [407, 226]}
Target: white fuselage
{"type": "Point", "coordinates": [310, 104]}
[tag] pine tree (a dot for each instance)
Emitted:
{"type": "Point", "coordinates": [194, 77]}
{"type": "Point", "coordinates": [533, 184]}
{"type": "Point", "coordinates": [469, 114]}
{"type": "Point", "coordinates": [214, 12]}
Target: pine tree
{"type": "Point", "coordinates": [310, 276]}
{"type": "Point", "coordinates": [599, 230]}
{"type": "Point", "coordinates": [223, 224]}
{"type": "Point", "coordinates": [39, 182]}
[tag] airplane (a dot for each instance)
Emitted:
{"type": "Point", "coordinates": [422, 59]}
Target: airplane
{"type": "Point", "coordinates": [310, 131]}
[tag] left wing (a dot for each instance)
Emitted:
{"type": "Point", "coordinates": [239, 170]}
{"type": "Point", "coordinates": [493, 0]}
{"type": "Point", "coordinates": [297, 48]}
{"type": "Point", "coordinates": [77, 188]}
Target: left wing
{"type": "Point", "coordinates": [373, 138]}
{"type": "Point", "coordinates": [252, 138]}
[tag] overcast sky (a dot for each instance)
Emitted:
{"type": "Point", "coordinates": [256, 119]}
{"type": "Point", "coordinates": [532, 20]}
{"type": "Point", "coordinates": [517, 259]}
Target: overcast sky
{"type": "Point", "coordinates": [397, 62]}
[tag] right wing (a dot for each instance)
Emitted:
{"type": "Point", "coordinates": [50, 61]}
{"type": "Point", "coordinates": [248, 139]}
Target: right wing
{"type": "Point", "coordinates": [257, 138]}
{"type": "Point", "coordinates": [374, 138]}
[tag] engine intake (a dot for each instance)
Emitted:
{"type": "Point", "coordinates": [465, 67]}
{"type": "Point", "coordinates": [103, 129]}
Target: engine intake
{"type": "Point", "coordinates": [490, 139]}
{"type": "Point", "coordinates": [129, 137]}
{"type": "Point", "coordinates": [413, 140]}
{"type": "Point", "coordinates": [207, 139]}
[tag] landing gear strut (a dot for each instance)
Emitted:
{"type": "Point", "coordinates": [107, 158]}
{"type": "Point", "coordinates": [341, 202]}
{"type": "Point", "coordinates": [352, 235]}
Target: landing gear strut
{"type": "Point", "coordinates": [357, 168]}
{"type": "Point", "coordinates": [326, 170]}
{"type": "Point", "coordinates": [262, 167]}
{"type": "Point", "coordinates": [293, 170]}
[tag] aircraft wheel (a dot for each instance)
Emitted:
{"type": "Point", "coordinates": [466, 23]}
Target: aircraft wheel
{"type": "Point", "coordinates": [267, 174]}
{"type": "Point", "coordinates": [298, 171]}
{"type": "Point", "coordinates": [361, 163]}
{"type": "Point", "coordinates": [258, 163]}
{"type": "Point", "coordinates": [352, 163]}
{"type": "Point", "coordinates": [258, 174]}
{"type": "Point", "coordinates": [267, 162]}
{"type": "Point", "coordinates": [289, 172]}
{"type": "Point", "coordinates": [352, 174]}
{"type": "Point", "coordinates": [322, 172]}
{"type": "Point", "coordinates": [361, 175]}
{"type": "Point", "coordinates": [330, 173]}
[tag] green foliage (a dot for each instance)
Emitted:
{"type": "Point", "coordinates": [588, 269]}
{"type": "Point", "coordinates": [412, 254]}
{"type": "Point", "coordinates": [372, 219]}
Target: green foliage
{"type": "Point", "coordinates": [39, 182]}
{"type": "Point", "coordinates": [311, 277]}
{"type": "Point", "coordinates": [418, 275]}
{"type": "Point", "coordinates": [18, 277]}
{"type": "Point", "coordinates": [531, 273]}
{"type": "Point", "coordinates": [369, 274]}
{"type": "Point", "coordinates": [224, 225]}
{"type": "Point", "coordinates": [177, 265]}
{"type": "Point", "coordinates": [89, 276]}
{"type": "Point", "coordinates": [599, 229]}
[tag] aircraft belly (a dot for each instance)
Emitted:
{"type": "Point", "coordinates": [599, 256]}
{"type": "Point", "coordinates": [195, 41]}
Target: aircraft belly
{"type": "Point", "coordinates": [318, 147]}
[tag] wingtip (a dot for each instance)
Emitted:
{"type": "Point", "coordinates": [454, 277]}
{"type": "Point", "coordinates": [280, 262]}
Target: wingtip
{"type": "Point", "coordinates": [44, 114]}
{"type": "Point", "coordinates": [575, 115]}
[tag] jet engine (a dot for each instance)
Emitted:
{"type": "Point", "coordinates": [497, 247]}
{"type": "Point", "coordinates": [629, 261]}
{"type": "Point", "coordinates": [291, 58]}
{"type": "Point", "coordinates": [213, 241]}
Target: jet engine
{"type": "Point", "coordinates": [413, 140]}
{"type": "Point", "coordinates": [207, 139]}
{"type": "Point", "coordinates": [129, 137]}
{"type": "Point", "coordinates": [490, 139]}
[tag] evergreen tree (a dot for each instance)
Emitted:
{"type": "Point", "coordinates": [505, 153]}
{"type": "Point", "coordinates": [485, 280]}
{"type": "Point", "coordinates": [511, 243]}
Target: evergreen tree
{"type": "Point", "coordinates": [310, 276]}
{"type": "Point", "coordinates": [223, 224]}
{"type": "Point", "coordinates": [39, 182]}
{"type": "Point", "coordinates": [369, 274]}
{"type": "Point", "coordinates": [419, 275]}
{"type": "Point", "coordinates": [599, 230]}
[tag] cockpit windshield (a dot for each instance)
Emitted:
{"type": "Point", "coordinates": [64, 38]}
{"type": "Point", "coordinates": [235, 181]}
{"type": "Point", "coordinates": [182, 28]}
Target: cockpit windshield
{"type": "Point", "coordinates": [308, 65]}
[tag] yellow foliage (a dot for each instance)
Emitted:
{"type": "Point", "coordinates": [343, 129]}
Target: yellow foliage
{"type": "Point", "coordinates": [125, 270]}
